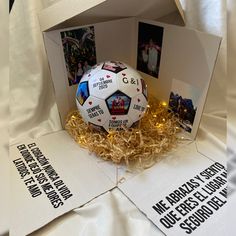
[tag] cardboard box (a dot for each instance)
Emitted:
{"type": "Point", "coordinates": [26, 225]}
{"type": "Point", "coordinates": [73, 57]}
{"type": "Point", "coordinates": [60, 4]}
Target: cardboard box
{"type": "Point", "coordinates": [53, 175]}
{"type": "Point", "coordinates": [186, 62]}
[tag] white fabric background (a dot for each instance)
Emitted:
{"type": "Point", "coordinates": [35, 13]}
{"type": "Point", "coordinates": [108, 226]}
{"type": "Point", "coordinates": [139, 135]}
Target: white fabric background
{"type": "Point", "coordinates": [34, 113]}
{"type": "Point", "coordinates": [4, 115]}
{"type": "Point", "coordinates": [231, 122]}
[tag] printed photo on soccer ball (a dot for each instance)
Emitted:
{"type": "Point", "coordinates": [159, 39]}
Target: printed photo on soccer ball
{"type": "Point", "coordinates": [118, 103]}
{"type": "Point", "coordinates": [82, 93]}
{"type": "Point", "coordinates": [150, 39]}
{"type": "Point", "coordinates": [113, 66]}
{"type": "Point", "coordinates": [79, 52]}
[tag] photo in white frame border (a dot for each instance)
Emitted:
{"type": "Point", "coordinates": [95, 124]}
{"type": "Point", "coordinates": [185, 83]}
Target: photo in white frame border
{"type": "Point", "coordinates": [79, 52]}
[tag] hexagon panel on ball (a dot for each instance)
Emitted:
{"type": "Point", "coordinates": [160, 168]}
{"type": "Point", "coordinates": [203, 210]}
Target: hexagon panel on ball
{"type": "Point", "coordinates": [118, 122]}
{"type": "Point", "coordinates": [137, 107]}
{"type": "Point", "coordinates": [129, 81]}
{"type": "Point", "coordinates": [95, 110]}
{"type": "Point", "coordinates": [103, 84]}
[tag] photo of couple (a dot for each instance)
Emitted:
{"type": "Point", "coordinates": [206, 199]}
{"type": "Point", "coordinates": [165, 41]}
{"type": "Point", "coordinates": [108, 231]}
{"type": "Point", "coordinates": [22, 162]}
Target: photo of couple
{"type": "Point", "coordinates": [79, 52]}
{"type": "Point", "coordinates": [149, 48]}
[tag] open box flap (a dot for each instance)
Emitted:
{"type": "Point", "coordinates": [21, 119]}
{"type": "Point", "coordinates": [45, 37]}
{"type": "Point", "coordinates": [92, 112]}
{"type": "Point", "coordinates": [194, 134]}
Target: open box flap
{"type": "Point", "coordinates": [86, 177]}
{"type": "Point", "coordinates": [183, 194]}
{"type": "Point", "coordinates": [49, 177]}
{"type": "Point", "coordinates": [67, 13]}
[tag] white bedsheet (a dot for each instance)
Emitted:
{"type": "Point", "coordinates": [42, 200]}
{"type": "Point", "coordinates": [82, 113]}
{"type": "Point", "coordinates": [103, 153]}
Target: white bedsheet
{"type": "Point", "coordinates": [4, 115]}
{"type": "Point", "coordinates": [34, 113]}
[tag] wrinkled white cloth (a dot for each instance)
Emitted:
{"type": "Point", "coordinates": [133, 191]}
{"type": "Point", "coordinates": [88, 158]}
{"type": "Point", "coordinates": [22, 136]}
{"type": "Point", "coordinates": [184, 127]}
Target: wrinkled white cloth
{"type": "Point", "coordinates": [4, 116]}
{"type": "Point", "coordinates": [231, 122]}
{"type": "Point", "coordinates": [32, 103]}
{"type": "Point", "coordinates": [34, 113]}
{"type": "Point", "coordinates": [110, 214]}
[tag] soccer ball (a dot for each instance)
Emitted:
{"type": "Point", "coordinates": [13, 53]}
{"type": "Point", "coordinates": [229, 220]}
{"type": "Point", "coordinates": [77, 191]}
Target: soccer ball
{"type": "Point", "coordinates": [111, 95]}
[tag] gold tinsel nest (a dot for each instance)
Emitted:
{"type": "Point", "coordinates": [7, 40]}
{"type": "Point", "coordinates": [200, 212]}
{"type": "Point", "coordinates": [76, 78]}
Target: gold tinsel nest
{"type": "Point", "coordinates": [143, 145]}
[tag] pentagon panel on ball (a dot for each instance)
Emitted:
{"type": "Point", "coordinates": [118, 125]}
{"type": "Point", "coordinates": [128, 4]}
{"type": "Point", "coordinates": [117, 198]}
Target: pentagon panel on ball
{"type": "Point", "coordinates": [112, 95]}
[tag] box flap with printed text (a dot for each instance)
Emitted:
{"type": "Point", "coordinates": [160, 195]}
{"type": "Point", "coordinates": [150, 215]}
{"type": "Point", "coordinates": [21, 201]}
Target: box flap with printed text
{"type": "Point", "coordinates": [51, 176]}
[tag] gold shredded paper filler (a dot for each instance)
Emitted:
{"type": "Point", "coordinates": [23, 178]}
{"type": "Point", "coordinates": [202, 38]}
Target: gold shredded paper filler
{"type": "Point", "coordinates": [141, 146]}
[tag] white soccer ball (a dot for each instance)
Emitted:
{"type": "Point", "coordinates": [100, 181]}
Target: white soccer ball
{"type": "Point", "coordinates": [111, 95]}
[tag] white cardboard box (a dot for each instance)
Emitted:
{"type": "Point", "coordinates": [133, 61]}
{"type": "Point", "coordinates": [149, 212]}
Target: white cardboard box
{"type": "Point", "coordinates": [186, 64]}
{"type": "Point", "coordinates": [53, 175]}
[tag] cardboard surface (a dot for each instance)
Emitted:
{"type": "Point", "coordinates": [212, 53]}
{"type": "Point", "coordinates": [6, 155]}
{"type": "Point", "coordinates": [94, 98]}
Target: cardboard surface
{"type": "Point", "coordinates": [183, 194]}
{"type": "Point", "coordinates": [188, 56]}
{"type": "Point", "coordinates": [69, 13]}
{"type": "Point", "coordinates": [105, 49]}
{"type": "Point", "coordinates": [186, 63]}
{"type": "Point", "coordinates": [50, 176]}
{"type": "Point", "coordinates": [53, 175]}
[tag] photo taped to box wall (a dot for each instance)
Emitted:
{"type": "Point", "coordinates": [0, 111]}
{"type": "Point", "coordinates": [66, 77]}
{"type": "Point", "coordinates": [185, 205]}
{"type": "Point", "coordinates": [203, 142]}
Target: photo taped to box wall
{"type": "Point", "coordinates": [150, 39]}
{"type": "Point", "coordinates": [79, 52]}
{"type": "Point", "coordinates": [183, 101]}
